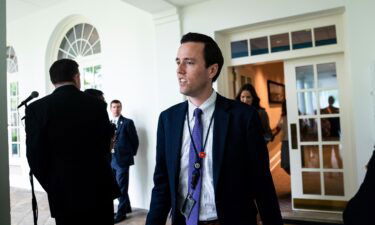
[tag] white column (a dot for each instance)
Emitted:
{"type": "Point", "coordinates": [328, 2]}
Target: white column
{"type": "Point", "coordinates": [4, 164]}
{"type": "Point", "coordinates": [360, 53]}
{"type": "Point", "coordinates": [167, 41]}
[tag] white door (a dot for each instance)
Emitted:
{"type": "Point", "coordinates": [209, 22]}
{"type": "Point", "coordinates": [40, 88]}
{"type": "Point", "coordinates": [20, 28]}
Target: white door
{"type": "Point", "coordinates": [318, 132]}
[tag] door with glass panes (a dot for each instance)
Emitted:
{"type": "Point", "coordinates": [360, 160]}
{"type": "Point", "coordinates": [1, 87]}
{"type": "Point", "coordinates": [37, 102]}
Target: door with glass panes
{"type": "Point", "coordinates": [318, 143]}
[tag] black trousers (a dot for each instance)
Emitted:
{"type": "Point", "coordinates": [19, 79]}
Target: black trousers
{"type": "Point", "coordinates": [122, 178]}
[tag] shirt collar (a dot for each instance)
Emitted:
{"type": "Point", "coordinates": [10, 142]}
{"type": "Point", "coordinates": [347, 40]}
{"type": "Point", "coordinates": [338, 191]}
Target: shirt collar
{"type": "Point", "coordinates": [207, 106]}
{"type": "Point", "coordinates": [116, 118]}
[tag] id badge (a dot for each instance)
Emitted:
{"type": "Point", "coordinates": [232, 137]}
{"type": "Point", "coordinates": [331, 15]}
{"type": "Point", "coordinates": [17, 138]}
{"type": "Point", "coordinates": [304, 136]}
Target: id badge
{"type": "Point", "coordinates": [188, 206]}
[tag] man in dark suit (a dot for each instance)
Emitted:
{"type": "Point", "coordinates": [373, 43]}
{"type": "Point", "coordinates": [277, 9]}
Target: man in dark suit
{"type": "Point", "coordinates": [358, 210]}
{"type": "Point", "coordinates": [67, 140]}
{"type": "Point", "coordinates": [125, 148]}
{"type": "Point", "coordinates": [212, 164]}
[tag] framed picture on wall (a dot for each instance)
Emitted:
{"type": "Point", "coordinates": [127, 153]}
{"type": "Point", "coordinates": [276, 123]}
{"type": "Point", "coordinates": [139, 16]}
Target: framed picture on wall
{"type": "Point", "coordinates": [276, 92]}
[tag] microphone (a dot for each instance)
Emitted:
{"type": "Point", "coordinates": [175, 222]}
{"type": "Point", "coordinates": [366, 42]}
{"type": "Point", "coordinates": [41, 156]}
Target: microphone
{"type": "Point", "coordinates": [34, 94]}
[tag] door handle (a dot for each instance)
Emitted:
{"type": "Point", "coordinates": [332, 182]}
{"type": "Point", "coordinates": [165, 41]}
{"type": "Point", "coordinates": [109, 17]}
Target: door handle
{"type": "Point", "coordinates": [293, 132]}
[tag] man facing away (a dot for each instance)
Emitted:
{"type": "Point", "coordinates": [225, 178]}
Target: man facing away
{"type": "Point", "coordinates": [125, 148]}
{"type": "Point", "coordinates": [67, 139]}
{"type": "Point", "coordinates": [212, 164]}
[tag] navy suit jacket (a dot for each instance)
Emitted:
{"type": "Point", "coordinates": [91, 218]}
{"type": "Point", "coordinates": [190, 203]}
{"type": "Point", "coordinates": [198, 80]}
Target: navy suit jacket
{"type": "Point", "coordinates": [241, 174]}
{"type": "Point", "coordinates": [358, 210]}
{"type": "Point", "coordinates": [126, 144]}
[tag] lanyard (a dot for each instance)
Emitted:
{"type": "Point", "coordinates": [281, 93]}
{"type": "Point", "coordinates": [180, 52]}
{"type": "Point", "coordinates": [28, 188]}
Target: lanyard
{"type": "Point", "coordinates": [202, 155]}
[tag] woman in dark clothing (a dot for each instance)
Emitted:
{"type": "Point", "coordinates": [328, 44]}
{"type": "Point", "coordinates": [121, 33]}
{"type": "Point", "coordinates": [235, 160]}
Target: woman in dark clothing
{"type": "Point", "coordinates": [248, 95]}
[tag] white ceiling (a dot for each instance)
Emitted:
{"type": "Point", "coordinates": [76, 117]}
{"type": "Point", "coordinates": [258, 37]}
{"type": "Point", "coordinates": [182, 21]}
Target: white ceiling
{"type": "Point", "coordinates": [184, 2]}
{"type": "Point", "coordinates": [19, 8]}
{"type": "Point", "coordinates": [155, 6]}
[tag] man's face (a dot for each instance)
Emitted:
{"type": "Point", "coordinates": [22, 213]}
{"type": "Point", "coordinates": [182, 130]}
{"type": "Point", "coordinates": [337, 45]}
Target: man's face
{"type": "Point", "coordinates": [116, 109]}
{"type": "Point", "coordinates": [192, 74]}
{"type": "Point", "coordinates": [77, 80]}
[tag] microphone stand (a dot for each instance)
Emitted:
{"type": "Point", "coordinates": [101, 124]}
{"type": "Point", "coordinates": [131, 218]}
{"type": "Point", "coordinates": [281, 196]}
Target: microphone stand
{"type": "Point", "coordinates": [33, 200]}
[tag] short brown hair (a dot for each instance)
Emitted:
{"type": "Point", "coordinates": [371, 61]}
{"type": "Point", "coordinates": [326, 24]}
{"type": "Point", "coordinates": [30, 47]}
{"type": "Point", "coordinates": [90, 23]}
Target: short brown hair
{"type": "Point", "coordinates": [115, 101]}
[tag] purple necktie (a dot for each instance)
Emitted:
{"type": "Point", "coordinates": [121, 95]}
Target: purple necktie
{"type": "Point", "coordinates": [193, 158]}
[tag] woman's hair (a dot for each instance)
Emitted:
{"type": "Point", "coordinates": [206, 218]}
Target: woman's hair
{"type": "Point", "coordinates": [251, 89]}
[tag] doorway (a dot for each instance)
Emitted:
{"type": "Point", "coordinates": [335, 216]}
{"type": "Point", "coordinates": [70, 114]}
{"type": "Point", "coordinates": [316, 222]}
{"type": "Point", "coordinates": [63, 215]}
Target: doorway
{"type": "Point", "coordinates": [268, 81]}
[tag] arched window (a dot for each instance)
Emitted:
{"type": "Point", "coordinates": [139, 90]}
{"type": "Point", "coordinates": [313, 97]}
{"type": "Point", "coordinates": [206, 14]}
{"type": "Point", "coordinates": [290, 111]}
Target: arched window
{"type": "Point", "coordinates": [13, 101]}
{"type": "Point", "coordinates": [82, 43]}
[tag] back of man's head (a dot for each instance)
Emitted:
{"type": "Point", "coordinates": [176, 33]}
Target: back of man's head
{"type": "Point", "coordinates": [63, 70]}
{"type": "Point", "coordinates": [95, 93]}
{"type": "Point", "coordinates": [211, 52]}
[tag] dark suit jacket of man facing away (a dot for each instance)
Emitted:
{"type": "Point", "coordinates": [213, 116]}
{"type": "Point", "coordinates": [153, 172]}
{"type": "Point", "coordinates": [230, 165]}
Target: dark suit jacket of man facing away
{"type": "Point", "coordinates": [359, 211]}
{"type": "Point", "coordinates": [240, 166]}
{"type": "Point", "coordinates": [68, 138]}
{"type": "Point", "coordinates": [126, 144]}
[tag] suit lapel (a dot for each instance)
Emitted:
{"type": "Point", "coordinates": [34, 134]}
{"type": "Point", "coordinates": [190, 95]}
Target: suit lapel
{"type": "Point", "coordinates": [176, 131]}
{"type": "Point", "coordinates": [221, 119]}
{"type": "Point", "coordinates": [120, 123]}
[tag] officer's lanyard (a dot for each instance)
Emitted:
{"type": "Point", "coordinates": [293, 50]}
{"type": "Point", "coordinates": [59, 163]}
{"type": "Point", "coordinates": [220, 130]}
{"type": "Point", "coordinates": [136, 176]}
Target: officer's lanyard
{"type": "Point", "coordinates": [200, 155]}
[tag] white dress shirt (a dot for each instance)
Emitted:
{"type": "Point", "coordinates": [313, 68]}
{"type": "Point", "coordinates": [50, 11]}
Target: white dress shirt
{"type": "Point", "coordinates": [207, 210]}
{"type": "Point", "coordinates": [115, 120]}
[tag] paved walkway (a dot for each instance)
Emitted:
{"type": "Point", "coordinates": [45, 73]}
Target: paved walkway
{"type": "Point", "coordinates": [21, 211]}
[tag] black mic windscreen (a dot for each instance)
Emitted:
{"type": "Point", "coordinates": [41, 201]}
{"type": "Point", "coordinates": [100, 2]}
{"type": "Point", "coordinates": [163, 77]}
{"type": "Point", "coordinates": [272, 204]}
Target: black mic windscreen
{"type": "Point", "coordinates": [34, 94]}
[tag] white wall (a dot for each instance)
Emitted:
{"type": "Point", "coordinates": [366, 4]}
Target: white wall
{"type": "Point", "coordinates": [216, 15]}
{"type": "Point", "coordinates": [360, 55]}
{"type": "Point", "coordinates": [127, 40]}
{"type": "Point", "coordinates": [4, 167]}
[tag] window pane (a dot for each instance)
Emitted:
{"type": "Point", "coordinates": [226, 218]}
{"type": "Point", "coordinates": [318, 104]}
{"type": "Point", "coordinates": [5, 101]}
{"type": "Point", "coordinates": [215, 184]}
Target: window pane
{"type": "Point", "coordinates": [15, 149]}
{"type": "Point", "coordinates": [331, 130]}
{"type": "Point", "coordinates": [15, 135]}
{"type": "Point", "coordinates": [327, 75]}
{"type": "Point", "coordinates": [12, 64]}
{"type": "Point", "coordinates": [13, 104]}
{"type": "Point", "coordinates": [61, 55]}
{"type": "Point", "coordinates": [64, 44]}
{"type": "Point", "coordinates": [311, 183]}
{"type": "Point", "coordinates": [332, 157]}
{"type": "Point", "coordinates": [310, 156]}
{"type": "Point", "coordinates": [14, 89]}
{"type": "Point", "coordinates": [96, 48]}
{"type": "Point", "coordinates": [79, 28]}
{"type": "Point", "coordinates": [94, 37]}
{"type": "Point", "coordinates": [307, 103]}
{"type": "Point", "coordinates": [301, 39]}
{"type": "Point", "coordinates": [239, 49]}
{"type": "Point", "coordinates": [259, 46]}
{"type": "Point", "coordinates": [325, 35]}
{"type": "Point", "coordinates": [70, 36]}
{"type": "Point", "coordinates": [305, 77]}
{"type": "Point", "coordinates": [87, 31]}
{"type": "Point", "coordinates": [334, 183]}
{"type": "Point", "coordinates": [329, 102]}
{"type": "Point", "coordinates": [14, 119]}
{"type": "Point", "coordinates": [280, 42]}
{"type": "Point", "coordinates": [308, 130]}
